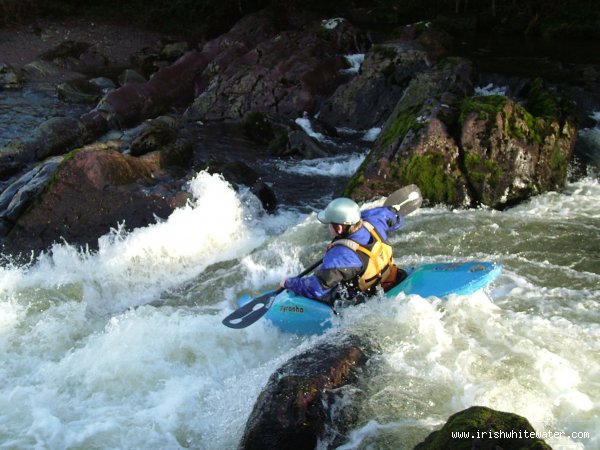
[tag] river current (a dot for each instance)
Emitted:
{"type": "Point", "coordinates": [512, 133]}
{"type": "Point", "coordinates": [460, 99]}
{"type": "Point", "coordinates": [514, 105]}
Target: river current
{"type": "Point", "coordinates": [124, 347]}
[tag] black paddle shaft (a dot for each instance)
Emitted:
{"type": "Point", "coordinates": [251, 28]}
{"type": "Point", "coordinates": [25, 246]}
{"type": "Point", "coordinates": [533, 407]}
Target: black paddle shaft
{"type": "Point", "coordinates": [255, 309]}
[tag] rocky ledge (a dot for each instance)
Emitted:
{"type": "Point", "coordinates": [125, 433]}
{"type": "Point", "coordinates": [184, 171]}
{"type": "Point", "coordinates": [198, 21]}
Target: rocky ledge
{"type": "Point", "coordinates": [151, 123]}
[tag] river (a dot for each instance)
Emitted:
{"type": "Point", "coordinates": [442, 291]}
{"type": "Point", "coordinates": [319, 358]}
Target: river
{"type": "Point", "coordinates": [124, 347]}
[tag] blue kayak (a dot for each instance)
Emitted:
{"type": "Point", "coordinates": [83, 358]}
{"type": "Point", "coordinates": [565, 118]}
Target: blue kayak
{"type": "Point", "coordinates": [300, 315]}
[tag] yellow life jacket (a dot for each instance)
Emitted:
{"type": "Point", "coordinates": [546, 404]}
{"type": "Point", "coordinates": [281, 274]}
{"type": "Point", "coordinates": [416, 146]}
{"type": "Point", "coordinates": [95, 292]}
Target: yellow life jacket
{"type": "Point", "coordinates": [380, 258]}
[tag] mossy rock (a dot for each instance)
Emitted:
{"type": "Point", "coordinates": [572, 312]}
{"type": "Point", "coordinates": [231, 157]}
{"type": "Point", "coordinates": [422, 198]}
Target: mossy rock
{"type": "Point", "coordinates": [488, 429]}
{"type": "Point", "coordinates": [403, 122]}
{"type": "Point", "coordinates": [485, 106]}
{"type": "Point", "coordinates": [427, 171]}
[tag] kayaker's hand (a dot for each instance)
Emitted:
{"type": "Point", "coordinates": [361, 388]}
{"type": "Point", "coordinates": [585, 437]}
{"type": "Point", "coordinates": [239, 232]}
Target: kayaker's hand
{"type": "Point", "coordinates": [282, 283]}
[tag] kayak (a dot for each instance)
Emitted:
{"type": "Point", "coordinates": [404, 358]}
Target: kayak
{"type": "Point", "coordinates": [300, 315]}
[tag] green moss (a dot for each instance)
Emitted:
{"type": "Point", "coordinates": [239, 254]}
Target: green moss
{"type": "Point", "coordinates": [558, 163]}
{"type": "Point", "coordinates": [354, 183]}
{"type": "Point", "coordinates": [523, 125]}
{"type": "Point", "coordinates": [541, 102]}
{"type": "Point", "coordinates": [478, 170]}
{"type": "Point", "coordinates": [358, 179]}
{"type": "Point", "coordinates": [427, 172]}
{"type": "Point", "coordinates": [404, 121]}
{"type": "Point", "coordinates": [485, 106]}
{"type": "Point", "coordinates": [472, 160]}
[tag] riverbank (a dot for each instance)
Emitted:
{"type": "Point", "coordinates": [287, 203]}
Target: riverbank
{"type": "Point", "coordinates": [22, 44]}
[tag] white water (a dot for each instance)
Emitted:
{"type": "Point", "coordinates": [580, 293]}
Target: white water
{"type": "Point", "coordinates": [124, 348]}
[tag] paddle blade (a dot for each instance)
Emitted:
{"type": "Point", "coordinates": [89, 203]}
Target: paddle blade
{"type": "Point", "coordinates": [251, 311]}
{"type": "Point", "coordinates": [405, 200]}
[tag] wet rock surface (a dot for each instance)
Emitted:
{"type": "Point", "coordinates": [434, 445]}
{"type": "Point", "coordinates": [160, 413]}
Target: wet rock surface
{"type": "Point", "coordinates": [171, 99]}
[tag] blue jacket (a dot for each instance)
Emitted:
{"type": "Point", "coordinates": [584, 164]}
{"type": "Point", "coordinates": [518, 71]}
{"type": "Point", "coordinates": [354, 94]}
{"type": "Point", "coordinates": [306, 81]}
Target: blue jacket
{"type": "Point", "coordinates": [342, 264]}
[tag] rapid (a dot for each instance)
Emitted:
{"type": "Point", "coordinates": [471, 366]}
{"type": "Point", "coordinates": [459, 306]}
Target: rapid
{"type": "Point", "coordinates": [124, 347]}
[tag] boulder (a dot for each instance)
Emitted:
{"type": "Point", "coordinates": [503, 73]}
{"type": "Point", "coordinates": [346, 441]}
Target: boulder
{"type": "Point", "coordinates": [510, 154]}
{"type": "Point", "coordinates": [154, 135]}
{"type": "Point", "coordinates": [79, 91]}
{"type": "Point", "coordinates": [19, 194]}
{"type": "Point", "coordinates": [285, 77]}
{"type": "Point", "coordinates": [488, 429]}
{"type": "Point", "coordinates": [10, 77]}
{"type": "Point", "coordinates": [369, 98]}
{"type": "Point", "coordinates": [465, 151]}
{"type": "Point", "coordinates": [95, 189]}
{"type": "Point", "coordinates": [53, 137]}
{"type": "Point", "coordinates": [170, 86]}
{"type": "Point", "coordinates": [415, 142]}
{"type": "Point", "coordinates": [66, 49]}
{"type": "Point", "coordinates": [130, 76]}
{"type": "Point", "coordinates": [295, 411]}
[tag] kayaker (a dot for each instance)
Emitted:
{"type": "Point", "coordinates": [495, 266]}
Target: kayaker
{"type": "Point", "coordinates": [358, 259]}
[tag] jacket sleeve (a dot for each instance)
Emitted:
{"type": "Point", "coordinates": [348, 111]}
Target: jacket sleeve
{"type": "Point", "coordinates": [383, 219]}
{"type": "Point", "coordinates": [339, 264]}
{"type": "Point", "coordinates": [310, 287]}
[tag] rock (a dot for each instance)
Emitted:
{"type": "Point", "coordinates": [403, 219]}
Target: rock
{"type": "Point", "coordinates": [258, 127]}
{"type": "Point", "coordinates": [130, 76]}
{"type": "Point", "coordinates": [466, 151]}
{"type": "Point", "coordinates": [94, 125]}
{"type": "Point", "coordinates": [287, 70]}
{"type": "Point", "coordinates": [79, 91]}
{"type": "Point", "coordinates": [288, 75]}
{"type": "Point", "coordinates": [174, 50]}
{"type": "Point", "coordinates": [41, 69]}
{"type": "Point", "coordinates": [294, 410]}
{"type": "Point", "coordinates": [301, 144]}
{"type": "Point", "coordinates": [490, 430]}
{"type": "Point", "coordinates": [510, 154]}
{"type": "Point", "coordinates": [369, 98]}
{"type": "Point", "coordinates": [104, 83]}
{"type": "Point", "coordinates": [171, 85]}
{"type": "Point", "coordinates": [18, 196]}
{"type": "Point", "coordinates": [179, 153]}
{"type": "Point", "coordinates": [145, 61]}
{"type": "Point", "coordinates": [94, 189]}
{"type": "Point", "coordinates": [415, 142]}
{"type": "Point", "coordinates": [66, 49]}
{"type": "Point", "coordinates": [154, 135]}
{"type": "Point", "coordinates": [10, 78]}
{"type": "Point", "coordinates": [53, 137]}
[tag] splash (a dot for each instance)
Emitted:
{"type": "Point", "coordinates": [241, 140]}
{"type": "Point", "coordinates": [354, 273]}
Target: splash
{"type": "Point", "coordinates": [133, 268]}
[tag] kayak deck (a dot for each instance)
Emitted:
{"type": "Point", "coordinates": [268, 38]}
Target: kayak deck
{"type": "Point", "coordinates": [300, 315]}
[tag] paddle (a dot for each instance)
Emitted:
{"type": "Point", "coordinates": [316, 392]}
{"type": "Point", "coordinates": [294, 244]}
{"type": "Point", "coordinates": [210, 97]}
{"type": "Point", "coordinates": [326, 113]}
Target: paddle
{"type": "Point", "coordinates": [255, 309]}
{"type": "Point", "coordinates": [404, 201]}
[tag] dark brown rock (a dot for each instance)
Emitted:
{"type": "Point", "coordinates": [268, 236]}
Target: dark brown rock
{"type": "Point", "coordinates": [293, 411]}
{"type": "Point", "coordinates": [94, 190]}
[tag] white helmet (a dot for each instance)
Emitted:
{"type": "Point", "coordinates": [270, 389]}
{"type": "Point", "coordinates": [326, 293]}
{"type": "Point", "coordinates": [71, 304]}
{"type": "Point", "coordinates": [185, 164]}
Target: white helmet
{"type": "Point", "coordinates": [341, 210]}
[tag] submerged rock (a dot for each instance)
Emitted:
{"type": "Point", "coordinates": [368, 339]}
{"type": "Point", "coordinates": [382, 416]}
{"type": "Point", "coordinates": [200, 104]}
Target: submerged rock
{"type": "Point", "coordinates": [488, 430]}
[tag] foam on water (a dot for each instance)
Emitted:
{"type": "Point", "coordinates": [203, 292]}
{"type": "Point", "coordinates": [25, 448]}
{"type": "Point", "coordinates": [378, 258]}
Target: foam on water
{"type": "Point", "coordinates": [335, 166]}
{"type": "Point", "coordinates": [88, 360]}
